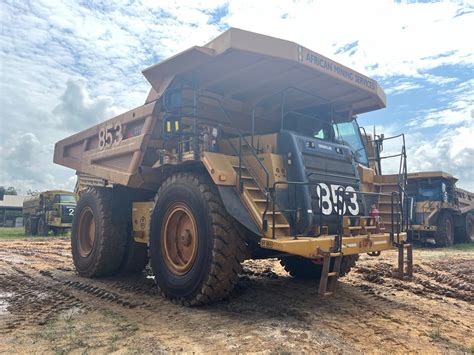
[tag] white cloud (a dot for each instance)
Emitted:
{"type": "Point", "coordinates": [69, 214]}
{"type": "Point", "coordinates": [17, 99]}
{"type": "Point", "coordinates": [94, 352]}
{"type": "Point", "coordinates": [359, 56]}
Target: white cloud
{"type": "Point", "coordinates": [76, 111]}
{"type": "Point", "coordinates": [402, 88]}
{"type": "Point", "coordinates": [449, 150]}
{"type": "Point", "coordinates": [63, 61]}
{"type": "Point", "coordinates": [25, 165]}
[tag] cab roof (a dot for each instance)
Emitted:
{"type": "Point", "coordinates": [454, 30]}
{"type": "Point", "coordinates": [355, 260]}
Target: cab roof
{"type": "Point", "coordinates": [431, 175]}
{"type": "Point", "coordinates": [249, 67]}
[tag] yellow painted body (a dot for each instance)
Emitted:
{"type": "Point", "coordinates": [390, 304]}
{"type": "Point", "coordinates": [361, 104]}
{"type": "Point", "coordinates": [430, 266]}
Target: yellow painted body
{"type": "Point", "coordinates": [313, 248]}
{"type": "Point", "coordinates": [141, 215]}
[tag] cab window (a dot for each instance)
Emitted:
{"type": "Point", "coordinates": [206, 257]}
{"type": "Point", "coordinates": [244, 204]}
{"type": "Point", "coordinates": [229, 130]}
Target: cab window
{"type": "Point", "coordinates": [348, 133]}
{"type": "Point", "coordinates": [67, 199]}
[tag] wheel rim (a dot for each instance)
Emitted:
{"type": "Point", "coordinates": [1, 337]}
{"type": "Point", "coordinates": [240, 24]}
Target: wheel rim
{"type": "Point", "coordinates": [449, 230]}
{"type": "Point", "coordinates": [179, 239]}
{"type": "Point", "coordinates": [86, 232]}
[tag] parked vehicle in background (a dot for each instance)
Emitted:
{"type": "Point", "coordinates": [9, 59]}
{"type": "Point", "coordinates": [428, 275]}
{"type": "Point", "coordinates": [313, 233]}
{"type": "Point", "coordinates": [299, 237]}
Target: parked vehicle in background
{"type": "Point", "coordinates": [49, 211]}
{"type": "Point", "coordinates": [442, 214]}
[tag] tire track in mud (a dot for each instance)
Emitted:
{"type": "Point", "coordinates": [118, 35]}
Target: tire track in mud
{"type": "Point", "coordinates": [30, 301]}
{"type": "Point", "coordinates": [425, 283]}
{"type": "Point", "coordinates": [366, 305]}
{"type": "Point", "coordinates": [34, 296]}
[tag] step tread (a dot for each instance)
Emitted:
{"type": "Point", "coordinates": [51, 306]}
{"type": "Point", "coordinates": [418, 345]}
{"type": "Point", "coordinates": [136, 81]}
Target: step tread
{"type": "Point", "coordinates": [252, 188]}
{"type": "Point", "coordinates": [280, 225]}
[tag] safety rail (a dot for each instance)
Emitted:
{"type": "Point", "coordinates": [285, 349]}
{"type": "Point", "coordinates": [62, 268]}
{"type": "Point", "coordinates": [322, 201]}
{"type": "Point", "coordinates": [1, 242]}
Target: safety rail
{"type": "Point", "coordinates": [242, 140]}
{"type": "Point", "coordinates": [341, 200]}
{"type": "Point", "coordinates": [402, 171]}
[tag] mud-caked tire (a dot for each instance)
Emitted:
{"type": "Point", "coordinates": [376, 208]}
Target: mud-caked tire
{"type": "Point", "coordinates": [135, 258]}
{"type": "Point", "coordinates": [465, 234]}
{"type": "Point", "coordinates": [97, 244]}
{"type": "Point", "coordinates": [303, 268]}
{"type": "Point", "coordinates": [196, 248]}
{"type": "Point", "coordinates": [444, 235]}
{"type": "Point", "coordinates": [42, 227]}
{"type": "Point", "coordinates": [31, 226]}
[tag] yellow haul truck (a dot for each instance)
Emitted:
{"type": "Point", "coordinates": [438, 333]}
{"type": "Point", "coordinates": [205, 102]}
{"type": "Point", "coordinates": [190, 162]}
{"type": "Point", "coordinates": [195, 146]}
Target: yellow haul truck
{"type": "Point", "coordinates": [441, 213]}
{"type": "Point", "coordinates": [49, 211]}
{"type": "Point", "coordinates": [239, 151]}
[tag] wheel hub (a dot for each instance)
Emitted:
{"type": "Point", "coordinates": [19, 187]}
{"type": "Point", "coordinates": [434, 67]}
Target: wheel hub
{"type": "Point", "coordinates": [86, 232]}
{"type": "Point", "coordinates": [179, 239]}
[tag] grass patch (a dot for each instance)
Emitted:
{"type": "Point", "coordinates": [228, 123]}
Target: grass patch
{"type": "Point", "coordinates": [7, 233]}
{"type": "Point", "coordinates": [463, 247]}
{"type": "Point", "coordinates": [12, 233]}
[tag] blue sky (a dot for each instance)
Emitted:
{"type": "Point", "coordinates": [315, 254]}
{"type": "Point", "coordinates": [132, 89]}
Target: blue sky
{"type": "Point", "coordinates": [66, 65]}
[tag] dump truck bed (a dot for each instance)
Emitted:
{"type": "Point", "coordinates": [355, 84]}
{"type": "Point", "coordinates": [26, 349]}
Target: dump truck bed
{"type": "Point", "coordinates": [239, 69]}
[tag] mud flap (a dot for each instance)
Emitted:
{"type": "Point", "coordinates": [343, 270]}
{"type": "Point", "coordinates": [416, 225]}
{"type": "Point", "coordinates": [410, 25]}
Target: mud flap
{"type": "Point", "coordinates": [234, 206]}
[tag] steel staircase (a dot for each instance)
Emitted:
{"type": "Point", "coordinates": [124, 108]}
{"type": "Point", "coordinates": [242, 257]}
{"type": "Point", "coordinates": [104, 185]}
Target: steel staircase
{"type": "Point", "coordinates": [256, 201]}
{"type": "Point", "coordinates": [388, 184]}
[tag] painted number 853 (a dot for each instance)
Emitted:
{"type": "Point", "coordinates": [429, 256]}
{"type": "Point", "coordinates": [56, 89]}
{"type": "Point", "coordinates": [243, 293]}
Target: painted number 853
{"type": "Point", "coordinates": [110, 135]}
{"type": "Point", "coordinates": [329, 196]}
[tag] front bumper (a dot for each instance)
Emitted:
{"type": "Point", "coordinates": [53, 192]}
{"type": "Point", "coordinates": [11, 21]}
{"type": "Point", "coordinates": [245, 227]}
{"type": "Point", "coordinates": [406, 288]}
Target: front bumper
{"type": "Point", "coordinates": [423, 228]}
{"type": "Point", "coordinates": [316, 247]}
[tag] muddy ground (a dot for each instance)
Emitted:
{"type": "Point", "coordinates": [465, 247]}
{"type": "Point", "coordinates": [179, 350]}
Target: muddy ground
{"type": "Point", "coordinates": [46, 307]}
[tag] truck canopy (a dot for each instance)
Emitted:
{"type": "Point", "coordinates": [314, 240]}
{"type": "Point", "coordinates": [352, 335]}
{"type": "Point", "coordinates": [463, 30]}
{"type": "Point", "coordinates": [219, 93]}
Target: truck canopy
{"type": "Point", "coordinates": [240, 80]}
{"type": "Point", "coordinates": [431, 175]}
{"type": "Point", "coordinates": [249, 67]}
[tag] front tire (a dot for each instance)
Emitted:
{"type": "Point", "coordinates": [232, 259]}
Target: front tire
{"type": "Point", "coordinates": [97, 245]}
{"type": "Point", "coordinates": [444, 236]}
{"type": "Point", "coordinates": [195, 246]}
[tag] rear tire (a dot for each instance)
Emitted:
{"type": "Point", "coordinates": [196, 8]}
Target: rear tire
{"type": "Point", "coordinates": [97, 245]}
{"type": "Point", "coordinates": [136, 256]}
{"type": "Point", "coordinates": [303, 268]}
{"type": "Point", "coordinates": [30, 226]}
{"type": "Point", "coordinates": [43, 228]}
{"type": "Point", "coordinates": [444, 235]}
{"type": "Point", "coordinates": [195, 246]}
{"type": "Point", "coordinates": [466, 232]}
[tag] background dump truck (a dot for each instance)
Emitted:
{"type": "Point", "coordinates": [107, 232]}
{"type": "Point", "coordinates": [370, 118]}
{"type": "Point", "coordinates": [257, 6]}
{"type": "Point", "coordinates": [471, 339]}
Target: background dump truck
{"type": "Point", "coordinates": [240, 151]}
{"type": "Point", "coordinates": [442, 214]}
{"type": "Point", "coordinates": [49, 211]}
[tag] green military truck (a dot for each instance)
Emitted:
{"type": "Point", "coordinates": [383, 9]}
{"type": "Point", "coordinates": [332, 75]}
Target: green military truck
{"type": "Point", "coordinates": [442, 214]}
{"type": "Point", "coordinates": [49, 211]}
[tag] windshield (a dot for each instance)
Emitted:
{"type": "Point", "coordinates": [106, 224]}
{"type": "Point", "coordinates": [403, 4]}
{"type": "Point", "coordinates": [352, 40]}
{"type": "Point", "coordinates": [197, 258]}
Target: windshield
{"type": "Point", "coordinates": [429, 191]}
{"type": "Point", "coordinates": [67, 199]}
{"type": "Point", "coordinates": [435, 190]}
{"type": "Point", "coordinates": [348, 133]}
{"type": "Point", "coordinates": [309, 126]}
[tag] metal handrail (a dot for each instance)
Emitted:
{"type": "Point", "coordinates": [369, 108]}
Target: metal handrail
{"type": "Point", "coordinates": [342, 191]}
{"type": "Point", "coordinates": [242, 139]}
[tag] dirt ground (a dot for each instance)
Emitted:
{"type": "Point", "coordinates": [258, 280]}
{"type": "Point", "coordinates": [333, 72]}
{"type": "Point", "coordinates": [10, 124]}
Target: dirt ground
{"type": "Point", "coordinates": [46, 307]}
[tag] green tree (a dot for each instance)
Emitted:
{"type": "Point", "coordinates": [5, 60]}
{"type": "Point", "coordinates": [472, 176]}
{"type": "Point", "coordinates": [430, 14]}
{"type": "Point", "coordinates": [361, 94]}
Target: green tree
{"type": "Point", "coordinates": [10, 190]}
